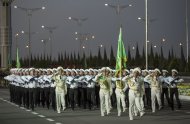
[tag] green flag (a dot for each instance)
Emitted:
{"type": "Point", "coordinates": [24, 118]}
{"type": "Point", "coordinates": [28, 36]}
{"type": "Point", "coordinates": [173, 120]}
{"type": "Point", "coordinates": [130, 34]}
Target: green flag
{"type": "Point", "coordinates": [121, 54]}
{"type": "Point", "coordinates": [17, 59]}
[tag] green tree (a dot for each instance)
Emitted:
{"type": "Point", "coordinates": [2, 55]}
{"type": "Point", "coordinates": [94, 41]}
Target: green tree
{"type": "Point", "coordinates": [112, 58]}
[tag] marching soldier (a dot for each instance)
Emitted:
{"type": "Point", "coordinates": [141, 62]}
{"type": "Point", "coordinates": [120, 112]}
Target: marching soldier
{"type": "Point", "coordinates": [52, 91]}
{"type": "Point", "coordinates": [73, 91]}
{"type": "Point", "coordinates": [47, 79]}
{"type": "Point", "coordinates": [156, 88]}
{"type": "Point", "coordinates": [31, 86]}
{"type": "Point", "coordinates": [147, 99]}
{"type": "Point", "coordinates": [105, 90]}
{"type": "Point", "coordinates": [165, 86]}
{"type": "Point", "coordinates": [97, 89]}
{"type": "Point", "coordinates": [90, 89]}
{"type": "Point", "coordinates": [120, 93]}
{"type": "Point", "coordinates": [113, 84]}
{"type": "Point", "coordinates": [173, 81]}
{"type": "Point", "coordinates": [61, 89]}
{"type": "Point", "coordinates": [82, 88]}
{"type": "Point", "coordinates": [10, 78]}
{"type": "Point", "coordinates": [134, 82]}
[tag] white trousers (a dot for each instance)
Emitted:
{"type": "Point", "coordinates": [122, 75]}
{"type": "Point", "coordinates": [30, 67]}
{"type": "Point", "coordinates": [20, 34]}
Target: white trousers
{"type": "Point", "coordinates": [142, 102]}
{"type": "Point", "coordinates": [104, 101]}
{"type": "Point", "coordinates": [120, 96]}
{"type": "Point", "coordinates": [60, 100]}
{"type": "Point", "coordinates": [134, 100]}
{"type": "Point", "coordinates": [155, 94]}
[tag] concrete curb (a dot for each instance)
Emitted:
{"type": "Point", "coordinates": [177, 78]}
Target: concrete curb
{"type": "Point", "coordinates": [184, 97]}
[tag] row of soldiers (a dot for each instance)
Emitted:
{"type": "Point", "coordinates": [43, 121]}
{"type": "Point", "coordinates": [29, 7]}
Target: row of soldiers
{"type": "Point", "coordinates": [107, 88]}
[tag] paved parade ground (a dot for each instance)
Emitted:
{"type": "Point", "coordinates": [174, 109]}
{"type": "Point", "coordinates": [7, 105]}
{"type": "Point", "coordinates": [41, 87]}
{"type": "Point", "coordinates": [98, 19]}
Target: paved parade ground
{"type": "Point", "coordinates": [12, 114]}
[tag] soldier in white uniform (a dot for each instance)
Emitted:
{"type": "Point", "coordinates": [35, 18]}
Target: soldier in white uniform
{"type": "Point", "coordinates": [105, 90]}
{"type": "Point", "coordinates": [60, 90]}
{"type": "Point", "coordinates": [120, 93]}
{"type": "Point", "coordinates": [134, 82]}
{"type": "Point", "coordinates": [156, 88]}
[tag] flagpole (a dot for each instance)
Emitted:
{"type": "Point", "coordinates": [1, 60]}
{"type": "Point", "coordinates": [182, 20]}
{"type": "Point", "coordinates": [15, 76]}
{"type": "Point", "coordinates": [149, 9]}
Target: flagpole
{"type": "Point", "coordinates": [120, 58]}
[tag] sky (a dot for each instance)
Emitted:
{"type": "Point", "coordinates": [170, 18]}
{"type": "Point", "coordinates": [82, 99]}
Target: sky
{"type": "Point", "coordinates": [102, 22]}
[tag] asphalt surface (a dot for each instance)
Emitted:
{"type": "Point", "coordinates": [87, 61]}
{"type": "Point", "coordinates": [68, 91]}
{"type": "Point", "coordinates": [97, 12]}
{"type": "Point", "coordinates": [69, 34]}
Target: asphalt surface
{"type": "Point", "coordinates": [12, 114]}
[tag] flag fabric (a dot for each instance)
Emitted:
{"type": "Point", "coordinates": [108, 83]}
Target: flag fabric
{"type": "Point", "coordinates": [17, 59]}
{"type": "Point", "coordinates": [121, 58]}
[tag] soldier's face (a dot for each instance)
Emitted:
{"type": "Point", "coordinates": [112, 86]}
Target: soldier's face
{"type": "Point", "coordinates": [68, 73]}
{"type": "Point", "coordinates": [104, 72]}
{"type": "Point", "coordinates": [35, 73]}
{"type": "Point", "coordinates": [86, 73]}
{"type": "Point", "coordinates": [156, 73]}
{"type": "Point", "coordinates": [164, 74]}
{"type": "Point", "coordinates": [91, 73]}
{"type": "Point", "coordinates": [73, 73]}
{"type": "Point", "coordinates": [107, 72]}
{"type": "Point", "coordinates": [40, 73]}
{"type": "Point", "coordinates": [59, 72]}
{"type": "Point", "coordinates": [81, 73]}
{"type": "Point", "coordinates": [174, 73]}
{"type": "Point", "coordinates": [31, 73]}
{"type": "Point", "coordinates": [64, 73]}
{"type": "Point", "coordinates": [136, 74]}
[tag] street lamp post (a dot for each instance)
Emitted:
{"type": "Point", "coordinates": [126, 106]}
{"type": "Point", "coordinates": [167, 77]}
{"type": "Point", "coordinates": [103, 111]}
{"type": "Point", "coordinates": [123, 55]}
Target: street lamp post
{"type": "Point", "coordinates": [44, 41]}
{"type": "Point", "coordinates": [29, 12]}
{"type": "Point", "coordinates": [50, 30]}
{"type": "Point", "coordinates": [147, 21]}
{"type": "Point", "coordinates": [146, 32]}
{"type": "Point", "coordinates": [29, 44]}
{"type": "Point", "coordinates": [187, 31]}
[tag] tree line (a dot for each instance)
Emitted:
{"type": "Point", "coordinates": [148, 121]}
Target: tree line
{"type": "Point", "coordinates": [74, 60]}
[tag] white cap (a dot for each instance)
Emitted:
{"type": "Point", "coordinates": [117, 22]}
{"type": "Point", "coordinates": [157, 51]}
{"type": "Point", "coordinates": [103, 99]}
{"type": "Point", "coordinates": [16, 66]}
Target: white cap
{"type": "Point", "coordinates": [73, 70]}
{"type": "Point", "coordinates": [60, 68]}
{"type": "Point", "coordinates": [127, 70]}
{"type": "Point", "coordinates": [174, 70]}
{"type": "Point", "coordinates": [109, 69]}
{"type": "Point", "coordinates": [137, 69]}
{"type": "Point", "coordinates": [164, 71]}
{"type": "Point", "coordinates": [145, 71]}
{"type": "Point", "coordinates": [103, 68]}
{"type": "Point", "coordinates": [31, 69]}
{"type": "Point", "coordinates": [157, 70]}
